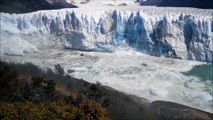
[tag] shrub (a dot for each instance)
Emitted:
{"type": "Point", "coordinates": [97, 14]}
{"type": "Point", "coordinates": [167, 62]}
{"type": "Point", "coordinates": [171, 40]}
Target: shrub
{"type": "Point", "coordinates": [8, 112]}
{"type": "Point", "coordinates": [91, 110]}
{"type": "Point", "coordinates": [8, 85]}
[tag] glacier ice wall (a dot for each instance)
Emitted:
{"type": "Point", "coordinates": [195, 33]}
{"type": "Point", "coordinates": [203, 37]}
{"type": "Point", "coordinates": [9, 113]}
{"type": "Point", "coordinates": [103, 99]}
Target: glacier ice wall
{"type": "Point", "coordinates": [171, 35]}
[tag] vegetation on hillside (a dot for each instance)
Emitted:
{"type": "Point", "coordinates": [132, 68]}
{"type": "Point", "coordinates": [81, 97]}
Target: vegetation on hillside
{"type": "Point", "coordinates": [28, 97]}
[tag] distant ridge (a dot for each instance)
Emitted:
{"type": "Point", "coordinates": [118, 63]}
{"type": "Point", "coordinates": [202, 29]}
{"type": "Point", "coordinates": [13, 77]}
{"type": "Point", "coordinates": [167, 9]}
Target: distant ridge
{"type": "Point", "coordinates": [204, 4]}
{"type": "Point", "coordinates": [151, 2]}
{"type": "Point", "coordinates": [24, 6]}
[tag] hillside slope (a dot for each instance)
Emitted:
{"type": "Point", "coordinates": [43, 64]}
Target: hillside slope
{"type": "Point", "coordinates": [24, 6]}
{"type": "Point", "coordinates": [204, 4]}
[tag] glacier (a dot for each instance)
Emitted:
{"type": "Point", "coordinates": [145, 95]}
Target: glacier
{"type": "Point", "coordinates": [174, 35]}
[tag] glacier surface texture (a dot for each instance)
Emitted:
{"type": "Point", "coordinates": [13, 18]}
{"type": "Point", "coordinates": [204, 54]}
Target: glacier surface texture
{"type": "Point", "coordinates": [176, 35]}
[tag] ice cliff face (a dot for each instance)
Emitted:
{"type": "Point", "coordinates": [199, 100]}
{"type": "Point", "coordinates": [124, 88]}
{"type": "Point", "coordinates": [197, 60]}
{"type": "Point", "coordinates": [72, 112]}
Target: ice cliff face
{"type": "Point", "coordinates": [171, 35]}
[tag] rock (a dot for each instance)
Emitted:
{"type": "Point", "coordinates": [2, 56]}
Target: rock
{"type": "Point", "coordinates": [172, 111]}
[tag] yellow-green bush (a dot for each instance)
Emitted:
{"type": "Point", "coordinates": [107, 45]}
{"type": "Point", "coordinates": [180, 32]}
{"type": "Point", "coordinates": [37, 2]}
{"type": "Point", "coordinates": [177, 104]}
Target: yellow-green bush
{"type": "Point", "coordinates": [8, 112]}
{"type": "Point", "coordinates": [62, 111]}
{"type": "Point", "coordinates": [91, 110]}
{"type": "Point", "coordinates": [53, 111]}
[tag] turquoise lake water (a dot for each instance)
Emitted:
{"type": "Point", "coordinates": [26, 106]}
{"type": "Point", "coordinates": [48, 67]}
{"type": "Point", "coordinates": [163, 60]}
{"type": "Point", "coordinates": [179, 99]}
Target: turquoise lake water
{"type": "Point", "coordinates": [204, 72]}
